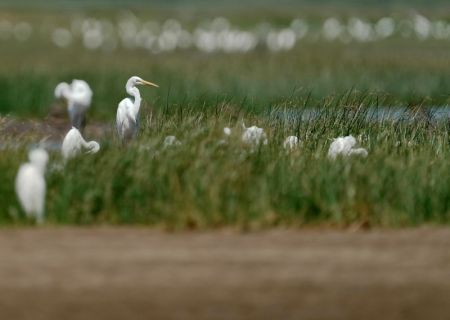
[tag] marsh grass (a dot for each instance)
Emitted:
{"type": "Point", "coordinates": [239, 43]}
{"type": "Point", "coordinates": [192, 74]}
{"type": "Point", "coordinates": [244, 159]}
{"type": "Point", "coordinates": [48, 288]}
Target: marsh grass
{"type": "Point", "coordinates": [203, 183]}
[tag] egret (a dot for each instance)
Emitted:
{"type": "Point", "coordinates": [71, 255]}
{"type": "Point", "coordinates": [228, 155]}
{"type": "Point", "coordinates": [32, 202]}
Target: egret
{"type": "Point", "coordinates": [227, 134]}
{"type": "Point", "coordinates": [127, 121]}
{"type": "Point", "coordinates": [78, 96]}
{"type": "Point", "coordinates": [227, 131]}
{"type": "Point", "coordinates": [344, 146]}
{"type": "Point", "coordinates": [171, 141]}
{"type": "Point", "coordinates": [30, 184]}
{"type": "Point", "coordinates": [290, 143]}
{"type": "Point", "coordinates": [254, 136]}
{"type": "Point", "coordinates": [74, 142]}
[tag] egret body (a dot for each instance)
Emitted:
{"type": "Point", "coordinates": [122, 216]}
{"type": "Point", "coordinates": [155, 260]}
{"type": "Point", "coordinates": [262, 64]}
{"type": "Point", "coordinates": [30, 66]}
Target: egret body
{"type": "Point", "coordinates": [290, 143]}
{"type": "Point", "coordinates": [30, 184]}
{"type": "Point", "coordinates": [227, 131]}
{"type": "Point", "coordinates": [171, 141]}
{"type": "Point", "coordinates": [78, 96]}
{"type": "Point", "coordinates": [254, 136]}
{"type": "Point", "coordinates": [128, 110]}
{"type": "Point", "coordinates": [74, 143]}
{"type": "Point", "coordinates": [344, 146]}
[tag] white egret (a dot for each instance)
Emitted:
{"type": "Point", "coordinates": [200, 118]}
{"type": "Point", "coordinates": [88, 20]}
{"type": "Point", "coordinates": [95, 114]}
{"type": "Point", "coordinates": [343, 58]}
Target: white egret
{"type": "Point", "coordinates": [74, 142]}
{"type": "Point", "coordinates": [227, 131]}
{"type": "Point", "coordinates": [171, 141]}
{"type": "Point", "coordinates": [254, 136]}
{"type": "Point", "coordinates": [227, 134]}
{"type": "Point", "coordinates": [78, 96]}
{"type": "Point", "coordinates": [128, 111]}
{"type": "Point", "coordinates": [30, 184]}
{"type": "Point", "coordinates": [344, 146]}
{"type": "Point", "coordinates": [290, 143]}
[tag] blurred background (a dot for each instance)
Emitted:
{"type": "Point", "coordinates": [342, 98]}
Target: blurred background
{"type": "Point", "coordinates": [253, 54]}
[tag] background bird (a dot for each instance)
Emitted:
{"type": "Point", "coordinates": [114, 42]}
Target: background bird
{"type": "Point", "coordinates": [254, 136]}
{"type": "Point", "coordinates": [74, 142]}
{"type": "Point", "coordinates": [31, 186]}
{"type": "Point", "coordinates": [290, 143]}
{"type": "Point", "coordinates": [227, 131]}
{"type": "Point", "coordinates": [171, 141]}
{"type": "Point", "coordinates": [78, 96]}
{"type": "Point", "coordinates": [344, 146]}
{"type": "Point", "coordinates": [127, 120]}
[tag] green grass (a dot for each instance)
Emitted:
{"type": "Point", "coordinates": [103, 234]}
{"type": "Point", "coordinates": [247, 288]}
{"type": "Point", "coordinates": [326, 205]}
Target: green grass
{"type": "Point", "coordinates": [204, 184]}
{"type": "Point", "coordinates": [403, 73]}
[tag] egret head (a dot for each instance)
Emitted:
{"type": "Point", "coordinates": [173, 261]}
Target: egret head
{"type": "Point", "coordinates": [39, 158]}
{"type": "Point", "coordinates": [93, 147]}
{"type": "Point", "coordinates": [135, 81]}
{"type": "Point", "coordinates": [81, 92]}
{"type": "Point", "coordinates": [61, 90]}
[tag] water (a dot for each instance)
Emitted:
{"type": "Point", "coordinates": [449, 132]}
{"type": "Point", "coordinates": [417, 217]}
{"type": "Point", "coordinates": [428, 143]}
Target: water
{"type": "Point", "coordinates": [434, 114]}
{"type": "Point", "coordinates": [371, 114]}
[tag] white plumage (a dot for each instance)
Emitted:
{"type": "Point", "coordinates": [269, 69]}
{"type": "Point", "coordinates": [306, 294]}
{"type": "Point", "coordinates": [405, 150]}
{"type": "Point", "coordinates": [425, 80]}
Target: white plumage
{"type": "Point", "coordinates": [74, 142]}
{"type": "Point", "coordinates": [78, 96]}
{"type": "Point", "coordinates": [254, 136]}
{"type": "Point", "coordinates": [344, 146]}
{"type": "Point", "coordinates": [30, 184]}
{"type": "Point", "coordinates": [227, 131]}
{"type": "Point", "coordinates": [171, 141]}
{"type": "Point", "coordinates": [290, 143]}
{"type": "Point", "coordinates": [127, 123]}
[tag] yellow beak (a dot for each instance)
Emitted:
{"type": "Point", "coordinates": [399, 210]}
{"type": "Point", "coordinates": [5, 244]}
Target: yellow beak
{"type": "Point", "coordinates": [147, 83]}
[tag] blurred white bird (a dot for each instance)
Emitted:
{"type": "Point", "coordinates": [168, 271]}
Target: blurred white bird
{"type": "Point", "coordinates": [78, 96]}
{"type": "Point", "coordinates": [171, 141]}
{"type": "Point", "coordinates": [290, 143]}
{"type": "Point", "coordinates": [344, 146]}
{"type": "Point", "coordinates": [227, 131]}
{"type": "Point", "coordinates": [127, 121]}
{"type": "Point", "coordinates": [74, 142]}
{"type": "Point", "coordinates": [254, 136]}
{"type": "Point", "coordinates": [30, 184]}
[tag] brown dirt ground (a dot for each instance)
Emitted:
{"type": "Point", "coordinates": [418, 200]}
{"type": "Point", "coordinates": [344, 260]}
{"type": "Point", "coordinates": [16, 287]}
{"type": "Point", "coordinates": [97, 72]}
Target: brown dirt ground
{"type": "Point", "coordinates": [138, 273]}
{"type": "Point", "coordinates": [52, 128]}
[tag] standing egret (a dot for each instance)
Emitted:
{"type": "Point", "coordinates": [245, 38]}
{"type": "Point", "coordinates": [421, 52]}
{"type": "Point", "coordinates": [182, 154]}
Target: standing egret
{"type": "Point", "coordinates": [290, 143]}
{"type": "Point", "coordinates": [78, 96]}
{"type": "Point", "coordinates": [30, 184]}
{"type": "Point", "coordinates": [254, 136]}
{"type": "Point", "coordinates": [74, 142]}
{"type": "Point", "coordinates": [127, 121]}
{"type": "Point", "coordinates": [344, 146]}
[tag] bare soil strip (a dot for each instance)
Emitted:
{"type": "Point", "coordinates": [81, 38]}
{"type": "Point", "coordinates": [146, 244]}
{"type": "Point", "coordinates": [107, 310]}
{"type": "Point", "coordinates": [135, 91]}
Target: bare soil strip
{"type": "Point", "coordinates": [137, 273]}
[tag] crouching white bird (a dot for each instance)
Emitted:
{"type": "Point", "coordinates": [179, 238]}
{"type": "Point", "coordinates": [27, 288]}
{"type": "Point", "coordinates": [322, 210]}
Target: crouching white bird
{"type": "Point", "coordinates": [290, 143]}
{"type": "Point", "coordinates": [171, 141]}
{"type": "Point", "coordinates": [30, 184]}
{"type": "Point", "coordinates": [254, 136]}
{"type": "Point", "coordinates": [127, 120]}
{"type": "Point", "coordinates": [344, 146]}
{"type": "Point", "coordinates": [227, 131]}
{"type": "Point", "coordinates": [78, 96]}
{"type": "Point", "coordinates": [74, 142]}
